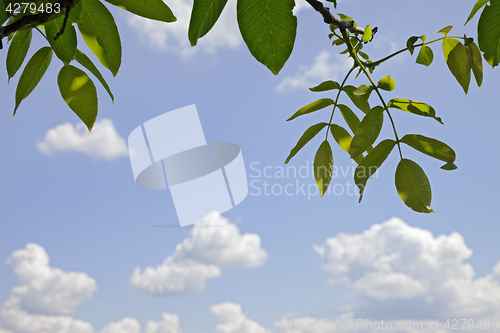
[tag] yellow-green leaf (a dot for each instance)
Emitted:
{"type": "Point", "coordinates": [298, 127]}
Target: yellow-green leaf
{"type": "Point", "coordinates": [387, 83]}
{"type": "Point", "coordinates": [65, 45]}
{"type": "Point", "coordinates": [414, 107]}
{"type": "Point", "coordinates": [413, 186]}
{"type": "Point", "coordinates": [312, 107]}
{"type": "Point", "coordinates": [305, 138]}
{"type": "Point", "coordinates": [17, 51]}
{"type": "Point", "coordinates": [323, 166]}
{"type": "Point", "coordinates": [151, 9]}
{"type": "Point", "coordinates": [367, 131]}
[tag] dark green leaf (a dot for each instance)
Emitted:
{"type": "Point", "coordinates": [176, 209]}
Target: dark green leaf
{"type": "Point", "coordinates": [387, 83]}
{"type": "Point", "coordinates": [460, 65]}
{"type": "Point", "coordinates": [17, 51]}
{"type": "Point", "coordinates": [99, 31]}
{"type": "Point", "coordinates": [87, 63]}
{"type": "Point", "coordinates": [414, 107]}
{"type": "Point", "coordinates": [151, 9]}
{"type": "Point", "coordinates": [425, 56]}
{"type": "Point", "coordinates": [314, 106]}
{"type": "Point", "coordinates": [65, 46]}
{"type": "Point", "coordinates": [323, 167]}
{"type": "Point", "coordinates": [367, 131]}
{"type": "Point", "coordinates": [411, 42]}
{"type": "Point", "coordinates": [449, 166]}
{"type": "Point", "coordinates": [203, 17]}
{"type": "Point", "coordinates": [327, 85]}
{"type": "Point", "coordinates": [350, 117]}
{"type": "Point", "coordinates": [334, 3]}
{"type": "Point", "coordinates": [4, 15]}
{"type": "Point", "coordinates": [305, 138]}
{"type": "Point", "coordinates": [477, 62]}
{"type": "Point", "coordinates": [370, 164]}
{"type": "Point", "coordinates": [364, 55]}
{"type": "Point", "coordinates": [78, 91]}
{"type": "Point", "coordinates": [413, 186]}
{"type": "Point", "coordinates": [361, 102]}
{"type": "Point", "coordinates": [32, 74]}
{"type": "Point", "coordinates": [268, 28]}
{"type": "Point", "coordinates": [431, 147]}
{"type": "Point", "coordinates": [75, 14]}
{"type": "Point", "coordinates": [477, 6]}
{"type": "Point", "coordinates": [488, 33]}
{"type": "Point", "coordinates": [367, 34]}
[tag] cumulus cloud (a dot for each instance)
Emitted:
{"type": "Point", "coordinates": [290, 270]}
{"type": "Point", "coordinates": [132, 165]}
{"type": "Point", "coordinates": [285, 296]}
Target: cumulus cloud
{"type": "Point", "coordinates": [126, 325]}
{"type": "Point", "coordinates": [396, 266]}
{"type": "Point", "coordinates": [174, 37]}
{"type": "Point", "coordinates": [211, 244]}
{"type": "Point", "coordinates": [323, 68]}
{"type": "Point", "coordinates": [103, 142]}
{"type": "Point", "coordinates": [44, 296]}
{"type": "Point", "coordinates": [233, 320]}
{"type": "Point", "coordinates": [168, 324]}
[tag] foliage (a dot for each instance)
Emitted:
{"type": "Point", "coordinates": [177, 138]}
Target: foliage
{"type": "Point", "coordinates": [268, 28]}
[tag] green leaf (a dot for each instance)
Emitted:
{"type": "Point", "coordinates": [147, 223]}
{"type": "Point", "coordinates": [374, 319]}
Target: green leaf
{"type": "Point", "coordinates": [99, 31]}
{"type": "Point", "coordinates": [65, 46]}
{"type": "Point", "coordinates": [449, 166]}
{"type": "Point", "coordinates": [314, 106]}
{"type": "Point", "coordinates": [363, 91]}
{"type": "Point", "coordinates": [367, 131]}
{"type": "Point", "coordinates": [17, 51]}
{"type": "Point", "coordinates": [370, 164]}
{"type": "Point", "coordinates": [477, 6]}
{"type": "Point", "coordinates": [87, 63]}
{"type": "Point", "coordinates": [32, 74]}
{"type": "Point", "coordinates": [488, 33]}
{"type": "Point", "coordinates": [460, 65]}
{"type": "Point", "coordinates": [151, 9]}
{"type": "Point", "coordinates": [445, 30]}
{"type": "Point", "coordinates": [367, 34]}
{"type": "Point", "coordinates": [360, 101]}
{"type": "Point", "coordinates": [268, 28]}
{"type": "Point", "coordinates": [387, 83]}
{"type": "Point", "coordinates": [323, 166]}
{"type": "Point", "coordinates": [78, 91]}
{"type": "Point", "coordinates": [327, 85]}
{"type": "Point", "coordinates": [431, 147]}
{"type": "Point", "coordinates": [413, 186]}
{"type": "Point", "coordinates": [477, 62]}
{"type": "Point", "coordinates": [414, 107]}
{"type": "Point", "coordinates": [448, 45]}
{"type": "Point", "coordinates": [203, 17]}
{"type": "Point", "coordinates": [364, 55]}
{"type": "Point", "coordinates": [342, 137]}
{"type": "Point", "coordinates": [425, 56]}
{"type": "Point", "coordinates": [4, 15]}
{"type": "Point", "coordinates": [350, 117]}
{"type": "Point", "coordinates": [75, 14]}
{"type": "Point", "coordinates": [334, 3]}
{"type": "Point", "coordinates": [305, 138]}
{"type": "Point", "coordinates": [411, 42]}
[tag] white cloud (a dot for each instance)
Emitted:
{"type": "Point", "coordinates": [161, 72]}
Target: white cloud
{"type": "Point", "coordinates": [103, 142]}
{"type": "Point", "coordinates": [323, 68]}
{"type": "Point", "coordinates": [44, 296]}
{"type": "Point", "coordinates": [168, 324]}
{"type": "Point", "coordinates": [233, 320]}
{"type": "Point", "coordinates": [396, 266]}
{"type": "Point", "coordinates": [126, 325]}
{"type": "Point", "coordinates": [198, 258]}
{"type": "Point", "coordinates": [173, 37]}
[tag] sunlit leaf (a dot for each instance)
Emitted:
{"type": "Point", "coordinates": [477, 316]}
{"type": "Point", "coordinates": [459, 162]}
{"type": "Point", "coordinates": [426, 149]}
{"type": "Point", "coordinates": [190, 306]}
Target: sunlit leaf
{"type": "Point", "coordinates": [367, 34]}
{"type": "Point", "coordinates": [99, 31]}
{"type": "Point", "coordinates": [488, 33]}
{"type": "Point", "coordinates": [323, 167]}
{"type": "Point", "coordinates": [477, 62]}
{"type": "Point", "coordinates": [459, 65]}
{"type": "Point", "coordinates": [151, 9]}
{"type": "Point", "coordinates": [342, 137]}
{"type": "Point", "coordinates": [310, 133]}
{"type": "Point", "coordinates": [425, 56]}
{"type": "Point", "coordinates": [413, 186]}
{"type": "Point", "coordinates": [268, 28]}
{"type": "Point", "coordinates": [445, 30]}
{"type": "Point", "coordinates": [203, 17]}
{"type": "Point", "coordinates": [370, 164]}
{"type": "Point", "coordinates": [87, 63]}
{"type": "Point", "coordinates": [361, 102]}
{"type": "Point", "coordinates": [430, 146]}
{"type": "Point", "coordinates": [387, 83]}
{"type": "Point", "coordinates": [17, 51]}
{"type": "Point", "coordinates": [78, 91]}
{"type": "Point", "coordinates": [32, 74]}
{"type": "Point", "coordinates": [314, 106]}
{"type": "Point", "coordinates": [477, 6]}
{"type": "Point", "coordinates": [363, 91]}
{"type": "Point", "coordinates": [327, 85]}
{"type": "Point", "coordinates": [65, 45]}
{"type": "Point", "coordinates": [414, 107]}
{"type": "Point", "coordinates": [448, 45]}
{"type": "Point", "coordinates": [350, 117]}
{"type": "Point", "coordinates": [367, 131]}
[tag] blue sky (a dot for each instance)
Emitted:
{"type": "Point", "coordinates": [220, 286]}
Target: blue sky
{"type": "Point", "coordinates": [282, 260]}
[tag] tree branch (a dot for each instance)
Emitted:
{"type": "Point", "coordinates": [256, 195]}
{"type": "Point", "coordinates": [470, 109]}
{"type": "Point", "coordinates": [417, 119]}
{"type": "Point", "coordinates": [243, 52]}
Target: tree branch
{"type": "Point", "coordinates": [37, 19]}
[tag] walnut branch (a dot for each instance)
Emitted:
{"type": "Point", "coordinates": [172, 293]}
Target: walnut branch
{"type": "Point", "coordinates": [35, 20]}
